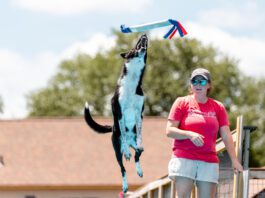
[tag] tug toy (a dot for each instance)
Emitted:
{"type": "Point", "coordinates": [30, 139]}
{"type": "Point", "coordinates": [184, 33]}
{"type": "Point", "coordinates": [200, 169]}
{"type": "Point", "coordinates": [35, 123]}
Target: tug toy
{"type": "Point", "coordinates": [148, 26]}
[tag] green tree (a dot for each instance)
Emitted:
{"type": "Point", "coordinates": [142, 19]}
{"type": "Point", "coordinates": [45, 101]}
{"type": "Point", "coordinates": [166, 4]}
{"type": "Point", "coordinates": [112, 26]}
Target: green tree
{"type": "Point", "coordinates": [252, 106]}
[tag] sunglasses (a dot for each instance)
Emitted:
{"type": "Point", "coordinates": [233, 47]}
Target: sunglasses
{"type": "Point", "coordinates": [201, 82]}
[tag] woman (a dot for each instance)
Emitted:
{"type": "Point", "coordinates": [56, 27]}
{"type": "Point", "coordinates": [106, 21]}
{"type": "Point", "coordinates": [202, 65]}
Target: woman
{"type": "Point", "coordinates": [193, 123]}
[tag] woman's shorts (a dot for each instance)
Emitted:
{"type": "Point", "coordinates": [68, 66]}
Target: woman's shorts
{"type": "Point", "coordinates": [193, 169]}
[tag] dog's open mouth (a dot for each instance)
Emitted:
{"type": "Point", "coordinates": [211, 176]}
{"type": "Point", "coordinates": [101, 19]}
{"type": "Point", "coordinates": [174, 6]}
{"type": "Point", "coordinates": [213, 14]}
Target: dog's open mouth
{"type": "Point", "coordinates": [142, 43]}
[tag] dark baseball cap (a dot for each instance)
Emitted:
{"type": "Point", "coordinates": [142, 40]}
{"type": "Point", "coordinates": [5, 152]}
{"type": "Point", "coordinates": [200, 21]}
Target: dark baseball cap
{"type": "Point", "coordinates": [201, 72]}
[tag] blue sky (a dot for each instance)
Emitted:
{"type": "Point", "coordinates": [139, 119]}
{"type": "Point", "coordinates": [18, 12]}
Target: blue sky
{"type": "Point", "coordinates": [37, 34]}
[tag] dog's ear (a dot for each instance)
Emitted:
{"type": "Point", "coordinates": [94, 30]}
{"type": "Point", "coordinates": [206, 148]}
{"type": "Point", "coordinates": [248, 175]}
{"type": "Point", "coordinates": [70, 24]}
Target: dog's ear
{"type": "Point", "coordinates": [124, 55]}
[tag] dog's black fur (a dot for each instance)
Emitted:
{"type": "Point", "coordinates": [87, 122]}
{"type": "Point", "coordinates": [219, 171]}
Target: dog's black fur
{"type": "Point", "coordinates": [127, 107]}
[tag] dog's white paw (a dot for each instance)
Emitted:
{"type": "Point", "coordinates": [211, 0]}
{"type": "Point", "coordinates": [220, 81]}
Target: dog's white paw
{"type": "Point", "coordinates": [127, 156]}
{"type": "Point", "coordinates": [141, 148]}
{"type": "Point", "coordinates": [124, 184]}
{"type": "Point", "coordinates": [139, 169]}
{"type": "Point", "coordinates": [126, 152]}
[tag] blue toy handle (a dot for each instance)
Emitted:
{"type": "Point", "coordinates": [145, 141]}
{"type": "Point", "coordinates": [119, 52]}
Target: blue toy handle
{"type": "Point", "coordinates": [148, 26]}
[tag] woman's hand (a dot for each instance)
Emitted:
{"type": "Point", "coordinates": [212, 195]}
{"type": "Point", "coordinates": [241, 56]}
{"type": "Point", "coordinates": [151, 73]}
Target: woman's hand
{"type": "Point", "coordinates": [237, 166]}
{"type": "Point", "coordinates": [173, 131]}
{"type": "Point", "coordinates": [229, 144]}
{"type": "Point", "coordinates": [196, 138]}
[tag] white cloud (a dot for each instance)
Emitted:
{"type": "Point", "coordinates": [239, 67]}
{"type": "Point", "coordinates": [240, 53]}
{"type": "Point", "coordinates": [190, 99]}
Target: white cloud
{"type": "Point", "coordinates": [98, 42]}
{"type": "Point", "coordinates": [69, 7]}
{"type": "Point", "coordinates": [249, 51]}
{"type": "Point", "coordinates": [245, 16]}
{"type": "Point", "coordinates": [20, 75]}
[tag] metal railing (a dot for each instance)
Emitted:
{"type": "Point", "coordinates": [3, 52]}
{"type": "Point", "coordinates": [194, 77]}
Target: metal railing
{"type": "Point", "coordinates": [256, 183]}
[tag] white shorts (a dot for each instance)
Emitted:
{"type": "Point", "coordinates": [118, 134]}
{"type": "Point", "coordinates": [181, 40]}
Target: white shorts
{"type": "Point", "coordinates": [193, 169]}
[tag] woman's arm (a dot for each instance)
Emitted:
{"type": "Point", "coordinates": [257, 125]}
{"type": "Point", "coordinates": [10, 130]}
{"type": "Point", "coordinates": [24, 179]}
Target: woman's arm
{"type": "Point", "coordinates": [174, 132]}
{"type": "Point", "coordinates": [229, 144]}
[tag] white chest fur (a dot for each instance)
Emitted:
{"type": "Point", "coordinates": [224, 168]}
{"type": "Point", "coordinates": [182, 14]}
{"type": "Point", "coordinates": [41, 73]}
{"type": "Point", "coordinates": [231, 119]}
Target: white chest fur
{"type": "Point", "coordinates": [130, 102]}
{"type": "Point", "coordinates": [128, 84]}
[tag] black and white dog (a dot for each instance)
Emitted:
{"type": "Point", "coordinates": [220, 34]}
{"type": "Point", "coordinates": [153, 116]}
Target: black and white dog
{"type": "Point", "coordinates": [127, 107]}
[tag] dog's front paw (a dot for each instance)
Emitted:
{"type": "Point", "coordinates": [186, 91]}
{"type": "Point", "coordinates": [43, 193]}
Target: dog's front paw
{"type": "Point", "coordinates": [126, 152]}
{"type": "Point", "coordinates": [139, 169]}
{"type": "Point", "coordinates": [141, 148]}
{"type": "Point", "coordinates": [127, 155]}
{"type": "Point", "coordinates": [140, 145]}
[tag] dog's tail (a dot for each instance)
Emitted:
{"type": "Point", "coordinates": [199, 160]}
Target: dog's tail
{"type": "Point", "coordinates": [93, 125]}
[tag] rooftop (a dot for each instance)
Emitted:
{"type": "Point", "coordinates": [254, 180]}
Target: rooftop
{"type": "Point", "coordinates": [65, 151]}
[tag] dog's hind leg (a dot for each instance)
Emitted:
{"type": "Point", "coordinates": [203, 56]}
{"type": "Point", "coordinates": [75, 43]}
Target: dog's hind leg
{"type": "Point", "coordinates": [117, 109]}
{"type": "Point", "coordinates": [137, 155]}
{"type": "Point", "coordinates": [116, 145]}
{"type": "Point", "coordinates": [139, 119]}
{"type": "Point", "coordinates": [139, 133]}
{"type": "Point", "coordinates": [124, 144]}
